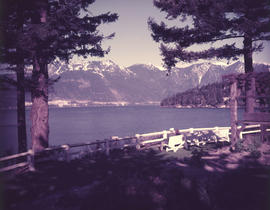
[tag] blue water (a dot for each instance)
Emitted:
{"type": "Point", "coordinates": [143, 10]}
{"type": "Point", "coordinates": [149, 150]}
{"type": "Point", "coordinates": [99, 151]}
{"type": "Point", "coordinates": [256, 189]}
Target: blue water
{"type": "Point", "coordinates": [73, 125]}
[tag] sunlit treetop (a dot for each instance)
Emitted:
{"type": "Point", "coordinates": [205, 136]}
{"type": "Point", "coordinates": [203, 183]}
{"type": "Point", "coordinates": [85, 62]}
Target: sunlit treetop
{"type": "Point", "coordinates": [212, 21]}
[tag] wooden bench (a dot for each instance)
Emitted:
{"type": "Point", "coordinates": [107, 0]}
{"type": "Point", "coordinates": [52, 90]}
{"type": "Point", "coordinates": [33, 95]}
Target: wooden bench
{"type": "Point", "coordinates": [175, 143]}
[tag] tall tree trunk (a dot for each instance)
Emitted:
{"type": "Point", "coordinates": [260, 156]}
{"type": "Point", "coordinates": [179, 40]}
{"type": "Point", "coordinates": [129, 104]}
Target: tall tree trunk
{"type": "Point", "coordinates": [250, 85]}
{"type": "Point", "coordinates": [40, 108]}
{"type": "Point", "coordinates": [248, 54]}
{"type": "Point", "coordinates": [21, 129]}
{"type": "Point", "coordinates": [233, 108]}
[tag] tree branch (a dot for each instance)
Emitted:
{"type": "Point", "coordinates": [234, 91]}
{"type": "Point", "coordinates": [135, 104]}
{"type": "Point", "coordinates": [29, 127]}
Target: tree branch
{"type": "Point", "coordinates": [262, 39]}
{"type": "Point", "coordinates": [228, 37]}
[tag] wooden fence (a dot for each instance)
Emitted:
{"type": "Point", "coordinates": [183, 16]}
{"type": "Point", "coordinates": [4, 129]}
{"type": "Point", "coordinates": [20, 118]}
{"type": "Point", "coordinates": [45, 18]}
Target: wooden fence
{"type": "Point", "coordinates": [29, 156]}
{"type": "Point", "coordinates": [67, 152]}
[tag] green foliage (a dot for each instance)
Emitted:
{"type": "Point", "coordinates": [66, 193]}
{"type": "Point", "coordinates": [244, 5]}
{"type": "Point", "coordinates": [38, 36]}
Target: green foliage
{"type": "Point", "coordinates": [36, 32]}
{"type": "Point", "coordinates": [209, 95]}
{"type": "Point", "coordinates": [242, 145]}
{"type": "Point", "coordinates": [210, 21]}
{"type": "Point", "coordinates": [70, 28]}
{"type": "Point", "coordinates": [239, 146]}
{"type": "Point", "coordinates": [255, 154]}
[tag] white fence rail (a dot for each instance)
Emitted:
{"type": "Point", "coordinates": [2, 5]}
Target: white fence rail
{"type": "Point", "coordinates": [139, 141]}
{"type": "Point", "coordinates": [29, 156]}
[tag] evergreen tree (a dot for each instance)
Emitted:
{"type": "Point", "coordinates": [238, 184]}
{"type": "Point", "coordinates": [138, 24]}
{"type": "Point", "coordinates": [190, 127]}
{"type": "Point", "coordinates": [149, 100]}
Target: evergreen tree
{"type": "Point", "coordinates": [55, 28]}
{"type": "Point", "coordinates": [11, 24]}
{"type": "Point", "coordinates": [208, 95]}
{"type": "Point", "coordinates": [212, 21]}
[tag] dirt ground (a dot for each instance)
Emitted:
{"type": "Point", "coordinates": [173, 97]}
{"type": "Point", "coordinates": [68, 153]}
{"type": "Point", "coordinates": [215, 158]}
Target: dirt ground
{"type": "Point", "coordinates": [130, 179]}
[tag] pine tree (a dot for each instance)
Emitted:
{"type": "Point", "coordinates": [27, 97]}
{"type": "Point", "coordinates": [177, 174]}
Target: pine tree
{"type": "Point", "coordinates": [212, 21]}
{"type": "Point", "coordinates": [11, 22]}
{"type": "Point", "coordinates": [208, 95]}
{"type": "Point", "coordinates": [51, 29]}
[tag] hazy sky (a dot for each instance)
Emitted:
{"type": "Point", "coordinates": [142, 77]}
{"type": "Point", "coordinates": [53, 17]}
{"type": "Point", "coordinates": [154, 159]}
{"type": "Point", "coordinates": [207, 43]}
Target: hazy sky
{"type": "Point", "coordinates": [133, 42]}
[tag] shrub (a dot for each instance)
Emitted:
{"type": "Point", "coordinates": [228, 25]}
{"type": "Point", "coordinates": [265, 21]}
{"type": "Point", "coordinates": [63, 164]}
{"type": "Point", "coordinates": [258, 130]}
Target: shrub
{"type": "Point", "coordinates": [255, 154]}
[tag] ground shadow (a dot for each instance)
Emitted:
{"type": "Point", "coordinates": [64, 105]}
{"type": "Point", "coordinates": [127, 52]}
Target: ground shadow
{"type": "Point", "coordinates": [140, 180]}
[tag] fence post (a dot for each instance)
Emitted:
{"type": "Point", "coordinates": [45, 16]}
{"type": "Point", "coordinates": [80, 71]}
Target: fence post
{"type": "Point", "coordinates": [138, 140]}
{"type": "Point", "coordinates": [66, 148]}
{"type": "Point", "coordinates": [241, 135]}
{"type": "Point", "coordinates": [107, 147]}
{"type": "Point", "coordinates": [165, 137]}
{"type": "Point", "coordinates": [263, 132]}
{"type": "Point", "coordinates": [233, 107]}
{"type": "Point", "coordinates": [165, 134]}
{"type": "Point", "coordinates": [30, 160]}
{"type": "Point", "coordinates": [161, 145]}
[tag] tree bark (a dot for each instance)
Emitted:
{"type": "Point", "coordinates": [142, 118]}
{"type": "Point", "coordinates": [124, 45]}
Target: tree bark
{"type": "Point", "coordinates": [233, 108]}
{"type": "Point", "coordinates": [250, 85]}
{"type": "Point", "coordinates": [40, 108]}
{"type": "Point", "coordinates": [248, 53]}
{"type": "Point", "coordinates": [21, 129]}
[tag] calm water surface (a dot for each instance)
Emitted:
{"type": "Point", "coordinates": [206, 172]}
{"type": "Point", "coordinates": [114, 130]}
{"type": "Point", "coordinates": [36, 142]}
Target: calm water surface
{"type": "Point", "coordinates": [72, 125]}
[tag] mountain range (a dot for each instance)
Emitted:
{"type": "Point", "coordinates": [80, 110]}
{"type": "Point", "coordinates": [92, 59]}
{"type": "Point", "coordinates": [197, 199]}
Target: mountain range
{"type": "Point", "coordinates": [98, 81]}
{"type": "Point", "coordinates": [105, 82]}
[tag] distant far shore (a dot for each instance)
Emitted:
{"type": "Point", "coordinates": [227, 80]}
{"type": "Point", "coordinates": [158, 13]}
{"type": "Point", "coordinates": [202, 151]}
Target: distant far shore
{"type": "Point", "coordinates": [86, 103]}
{"type": "Point", "coordinates": [78, 104]}
{"type": "Point", "coordinates": [221, 106]}
{"type": "Point", "coordinates": [116, 104]}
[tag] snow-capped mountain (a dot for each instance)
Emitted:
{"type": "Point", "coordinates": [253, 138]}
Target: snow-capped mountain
{"type": "Point", "coordinates": [58, 67]}
{"type": "Point", "coordinates": [105, 81]}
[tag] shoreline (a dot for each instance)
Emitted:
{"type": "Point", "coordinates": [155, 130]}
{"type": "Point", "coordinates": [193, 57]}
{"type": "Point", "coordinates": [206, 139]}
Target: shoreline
{"type": "Point", "coordinates": [80, 104]}
{"type": "Point", "coordinates": [117, 105]}
{"type": "Point", "coordinates": [192, 107]}
{"type": "Point", "coordinates": [28, 107]}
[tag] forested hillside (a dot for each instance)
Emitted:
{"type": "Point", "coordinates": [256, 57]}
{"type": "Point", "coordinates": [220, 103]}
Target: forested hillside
{"type": "Point", "coordinates": [212, 95]}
